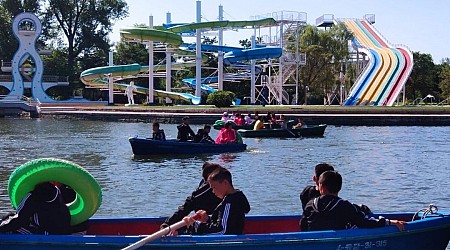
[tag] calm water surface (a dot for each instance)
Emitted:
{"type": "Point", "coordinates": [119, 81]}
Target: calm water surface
{"type": "Point", "coordinates": [390, 169]}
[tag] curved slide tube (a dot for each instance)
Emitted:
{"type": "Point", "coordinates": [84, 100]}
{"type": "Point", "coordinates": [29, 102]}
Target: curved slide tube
{"type": "Point", "coordinates": [381, 86]}
{"type": "Point", "coordinates": [222, 24]}
{"type": "Point", "coordinates": [97, 77]}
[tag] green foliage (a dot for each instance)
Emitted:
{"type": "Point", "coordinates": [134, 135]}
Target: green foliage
{"type": "Point", "coordinates": [444, 83]}
{"type": "Point", "coordinates": [325, 51]}
{"type": "Point", "coordinates": [221, 99]}
{"type": "Point", "coordinates": [422, 80]}
{"type": "Point", "coordinates": [85, 25]}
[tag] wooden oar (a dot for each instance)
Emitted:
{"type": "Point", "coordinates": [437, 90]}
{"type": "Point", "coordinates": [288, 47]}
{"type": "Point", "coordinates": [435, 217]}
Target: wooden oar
{"type": "Point", "coordinates": [159, 234]}
{"type": "Point", "coordinates": [292, 133]}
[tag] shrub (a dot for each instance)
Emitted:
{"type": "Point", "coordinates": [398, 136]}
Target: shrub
{"type": "Point", "coordinates": [221, 98]}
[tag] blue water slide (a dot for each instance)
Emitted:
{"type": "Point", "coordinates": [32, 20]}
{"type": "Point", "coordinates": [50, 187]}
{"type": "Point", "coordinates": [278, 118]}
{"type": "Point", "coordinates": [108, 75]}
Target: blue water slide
{"type": "Point", "coordinates": [251, 54]}
{"type": "Point", "coordinates": [191, 82]}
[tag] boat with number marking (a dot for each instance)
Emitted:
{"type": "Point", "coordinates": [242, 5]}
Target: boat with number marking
{"type": "Point", "coordinates": [143, 146]}
{"type": "Point", "coordinates": [309, 131]}
{"type": "Point", "coordinates": [261, 232]}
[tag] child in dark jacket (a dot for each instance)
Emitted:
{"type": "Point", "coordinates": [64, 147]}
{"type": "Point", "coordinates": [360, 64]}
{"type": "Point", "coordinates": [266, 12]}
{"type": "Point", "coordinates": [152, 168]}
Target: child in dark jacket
{"type": "Point", "coordinates": [42, 211]}
{"type": "Point", "coordinates": [329, 212]}
{"type": "Point", "coordinates": [229, 216]}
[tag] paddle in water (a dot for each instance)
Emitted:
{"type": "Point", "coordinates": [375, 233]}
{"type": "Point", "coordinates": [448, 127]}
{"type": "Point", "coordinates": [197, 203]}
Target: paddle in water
{"type": "Point", "coordinates": [159, 234]}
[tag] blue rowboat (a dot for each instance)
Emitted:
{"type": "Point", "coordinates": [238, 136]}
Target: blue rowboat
{"type": "Point", "coordinates": [261, 232]}
{"type": "Point", "coordinates": [142, 146]}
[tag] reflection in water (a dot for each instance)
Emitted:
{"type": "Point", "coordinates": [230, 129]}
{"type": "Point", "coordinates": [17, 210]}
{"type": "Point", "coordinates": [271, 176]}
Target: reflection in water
{"type": "Point", "coordinates": [388, 168]}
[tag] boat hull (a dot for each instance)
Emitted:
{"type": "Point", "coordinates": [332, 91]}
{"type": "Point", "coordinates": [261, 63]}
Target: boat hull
{"type": "Point", "coordinates": [142, 147]}
{"type": "Point", "coordinates": [430, 233]}
{"type": "Point", "coordinates": [310, 131]}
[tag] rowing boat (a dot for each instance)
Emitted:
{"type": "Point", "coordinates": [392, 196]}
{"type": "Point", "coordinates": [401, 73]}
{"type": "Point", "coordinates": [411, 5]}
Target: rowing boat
{"type": "Point", "coordinates": [261, 232]}
{"type": "Point", "coordinates": [143, 146]}
{"type": "Point", "coordinates": [309, 131]}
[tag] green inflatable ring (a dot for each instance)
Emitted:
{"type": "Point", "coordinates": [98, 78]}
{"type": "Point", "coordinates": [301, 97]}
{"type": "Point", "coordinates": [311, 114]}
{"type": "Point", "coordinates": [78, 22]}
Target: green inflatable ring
{"type": "Point", "coordinates": [89, 193]}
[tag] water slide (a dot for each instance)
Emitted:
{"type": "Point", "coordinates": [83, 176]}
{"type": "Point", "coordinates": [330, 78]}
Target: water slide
{"type": "Point", "coordinates": [387, 71]}
{"type": "Point", "coordinates": [97, 77]}
{"type": "Point", "coordinates": [232, 56]}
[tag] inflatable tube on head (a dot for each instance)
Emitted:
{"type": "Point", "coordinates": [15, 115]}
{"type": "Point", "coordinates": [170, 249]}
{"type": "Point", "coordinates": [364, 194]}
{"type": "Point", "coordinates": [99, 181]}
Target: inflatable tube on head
{"type": "Point", "coordinates": [89, 193]}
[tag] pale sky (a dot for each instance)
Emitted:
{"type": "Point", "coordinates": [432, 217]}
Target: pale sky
{"type": "Point", "coordinates": [421, 25]}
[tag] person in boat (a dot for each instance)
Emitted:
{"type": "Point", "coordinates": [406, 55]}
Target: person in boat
{"type": "Point", "coordinates": [185, 132]}
{"type": "Point", "coordinates": [239, 119]}
{"type": "Point", "coordinates": [248, 119]}
{"type": "Point", "coordinates": [227, 134]}
{"type": "Point", "coordinates": [225, 117]}
{"type": "Point", "coordinates": [158, 134]}
{"type": "Point", "coordinates": [259, 124]}
{"type": "Point", "coordinates": [203, 136]}
{"type": "Point", "coordinates": [202, 198]}
{"type": "Point", "coordinates": [311, 192]}
{"type": "Point", "coordinates": [330, 212]}
{"type": "Point", "coordinates": [229, 216]}
{"type": "Point", "coordinates": [300, 124]}
{"type": "Point", "coordinates": [42, 211]}
{"type": "Point", "coordinates": [282, 122]}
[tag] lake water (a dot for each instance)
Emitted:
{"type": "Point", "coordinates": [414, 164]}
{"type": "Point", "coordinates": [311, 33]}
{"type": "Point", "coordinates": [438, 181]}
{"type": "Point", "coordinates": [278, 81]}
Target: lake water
{"type": "Point", "coordinates": [390, 169]}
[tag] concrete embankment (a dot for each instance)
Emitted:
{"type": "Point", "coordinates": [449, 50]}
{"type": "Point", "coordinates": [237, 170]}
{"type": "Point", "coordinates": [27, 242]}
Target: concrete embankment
{"type": "Point", "coordinates": [352, 116]}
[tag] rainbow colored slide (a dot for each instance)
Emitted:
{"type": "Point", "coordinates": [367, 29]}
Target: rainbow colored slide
{"type": "Point", "coordinates": [387, 71]}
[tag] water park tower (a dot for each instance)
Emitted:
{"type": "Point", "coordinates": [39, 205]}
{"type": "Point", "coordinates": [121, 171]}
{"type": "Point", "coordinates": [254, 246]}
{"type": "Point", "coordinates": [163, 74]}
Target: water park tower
{"type": "Point", "coordinates": [283, 72]}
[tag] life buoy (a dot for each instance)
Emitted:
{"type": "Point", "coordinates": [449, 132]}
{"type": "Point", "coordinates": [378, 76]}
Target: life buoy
{"type": "Point", "coordinates": [89, 193]}
{"type": "Point", "coordinates": [26, 69]}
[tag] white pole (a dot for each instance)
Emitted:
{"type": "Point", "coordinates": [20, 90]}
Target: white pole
{"type": "Point", "coordinates": [110, 80]}
{"type": "Point", "coordinates": [150, 66]}
{"type": "Point", "coordinates": [281, 64]}
{"type": "Point", "coordinates": [168, 64]}
{"type": "Point", "coordinates": [253, 72]}
{"type": "Point", "coordinates": [198, 53]}
{"type": "Point", "coordinates": [220, 56]}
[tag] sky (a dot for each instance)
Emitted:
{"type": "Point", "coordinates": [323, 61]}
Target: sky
{"type": "Point", "coordinates": [423, 26]}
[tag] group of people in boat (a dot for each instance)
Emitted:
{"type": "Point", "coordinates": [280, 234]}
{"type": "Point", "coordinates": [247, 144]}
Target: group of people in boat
{"type": "Point", "coordinates": [219, 207]}
{"type": "Point", "coordinates": [185, 133]}
{"type": "Point", "coordinates": [260, 121]}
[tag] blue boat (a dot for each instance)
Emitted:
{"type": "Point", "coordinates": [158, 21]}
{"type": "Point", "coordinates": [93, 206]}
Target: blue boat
{"type": "Point", "coordinates": [261, 232]}
{"type": "Point", "coordinates": [142, 147]}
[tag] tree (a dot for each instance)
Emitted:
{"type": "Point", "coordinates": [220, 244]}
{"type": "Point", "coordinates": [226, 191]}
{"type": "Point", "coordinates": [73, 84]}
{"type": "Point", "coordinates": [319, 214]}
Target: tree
{"type": "Point", "coordinates": [8, 10]}
{"type": "Point", "coordinates": [325, 51]}
{"type": "Point", "coordinates": [83, 24]}
{"type": "Point", "coordinates": [444, 83]}
{"type": "Point", "coordinates": [422, 80]}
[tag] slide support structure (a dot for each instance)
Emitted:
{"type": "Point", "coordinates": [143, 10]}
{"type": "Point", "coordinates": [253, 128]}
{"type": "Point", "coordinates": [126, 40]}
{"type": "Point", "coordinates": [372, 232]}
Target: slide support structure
{"type": "Point", "coordinates": [150, 66]}
{"type": "Point", "coordinates": [198, 53]}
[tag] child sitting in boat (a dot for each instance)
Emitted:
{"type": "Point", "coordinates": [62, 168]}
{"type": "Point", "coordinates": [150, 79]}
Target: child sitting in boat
{"type": "Point", "coordinates": [227, 134]}
{"type": "Point", "coordinates": [202, 198]}
{"type": "Point", "coordinates": [229, 216]}
{"type": "Point", "coordinates": [311, 192]}
{"type": "Point", "coordinates": [300, 124]}
{"type": "Point", "coordinates": [158, 134]}
{"type": "Point", "coordinates": [329, 212]}
{"type": "Point", "coordinates": [202, 135]}
{"type": "Point", "coordinates": [185, 131]}
{"type": "Point", "coordinates": [42, 211]}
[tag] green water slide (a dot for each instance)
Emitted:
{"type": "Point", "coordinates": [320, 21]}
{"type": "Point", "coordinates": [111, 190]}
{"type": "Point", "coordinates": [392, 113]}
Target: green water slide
{"type": "Point", "coordinates": [222, 24]}
{"type": "Point", "coordinates": [146, 34]}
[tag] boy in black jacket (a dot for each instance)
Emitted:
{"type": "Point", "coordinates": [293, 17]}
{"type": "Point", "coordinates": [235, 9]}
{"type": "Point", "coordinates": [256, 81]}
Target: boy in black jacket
{"type": "Point", "coordinates": [229, 216]}
{"type": "Point", "coordinates": [329, 212]}
{"type": "Point", "coordinates": [202, 198]}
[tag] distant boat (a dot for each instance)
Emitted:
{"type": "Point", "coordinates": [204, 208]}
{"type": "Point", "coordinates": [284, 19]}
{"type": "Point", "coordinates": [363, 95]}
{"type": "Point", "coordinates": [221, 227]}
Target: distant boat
{"type": "Point", "coordinates": [219, 124]}
{"type": "Point", "coordinates": [309, 131]}
{"type": "Point", "coordinates": [142, 146]}
{"type": "Point", "coordinates": [261, 232]}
